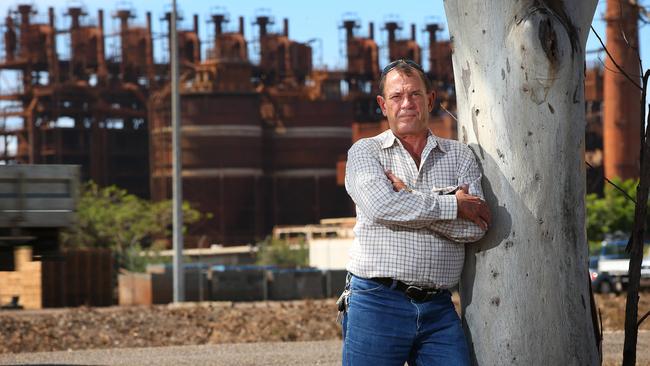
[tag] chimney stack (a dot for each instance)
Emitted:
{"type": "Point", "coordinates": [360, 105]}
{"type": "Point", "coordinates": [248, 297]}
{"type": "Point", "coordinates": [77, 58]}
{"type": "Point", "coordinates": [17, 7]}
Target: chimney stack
{"type": "Point", "coordinates": [391, 27]}
{"type": "Point", "coordinates": [50, 12]}
{"type": "Point", "coordinates": [148, 15]}
{"type": "Point", "coordinates": [74, 13]}
{"type": "Point", "coordinates": [263, 22]}
{"type": "Point", "coordinates": [621, 108]}
{"type": "Point", "coordinates": [218, 20]}
{"type": "Point", "coordinates": [349, 26]}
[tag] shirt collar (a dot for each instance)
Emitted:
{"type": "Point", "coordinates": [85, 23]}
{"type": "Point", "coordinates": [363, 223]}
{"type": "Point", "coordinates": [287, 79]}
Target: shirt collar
{"type": "Point", "coordinates": [390, 139]}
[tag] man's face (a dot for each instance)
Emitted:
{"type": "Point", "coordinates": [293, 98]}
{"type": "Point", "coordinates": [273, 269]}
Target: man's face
{"type": "Point", "coordinates": [405, 103]}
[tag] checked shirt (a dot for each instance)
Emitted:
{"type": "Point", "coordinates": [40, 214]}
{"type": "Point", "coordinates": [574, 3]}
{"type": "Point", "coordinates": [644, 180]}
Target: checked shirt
{"type": "Point", "coordinates": [412, 235]}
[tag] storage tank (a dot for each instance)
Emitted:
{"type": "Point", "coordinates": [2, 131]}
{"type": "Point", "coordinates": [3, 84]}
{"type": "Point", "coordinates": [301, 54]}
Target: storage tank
{"type": "Point", "coordinates": [221, 141]}
{"type": "Point", "coordinates": [303, 150]}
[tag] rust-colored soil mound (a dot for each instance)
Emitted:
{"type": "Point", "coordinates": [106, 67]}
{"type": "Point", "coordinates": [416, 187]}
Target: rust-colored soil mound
{"type": "Point", "coordinates": [166, 325]}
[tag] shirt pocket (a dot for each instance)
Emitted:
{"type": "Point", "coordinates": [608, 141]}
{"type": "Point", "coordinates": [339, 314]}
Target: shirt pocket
{"type": "Point", "coordinates": [442, 182]}
{"type": "Point", "coordinates": [445, 189]}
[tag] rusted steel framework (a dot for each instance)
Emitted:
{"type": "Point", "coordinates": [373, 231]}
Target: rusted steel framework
{"type": "Point", "coordinates": [86, 108]}
{"type": "Point", "coordinates": [260, 144]}
{"type": "Point", "coordinates": [440, 66]}
{"type": "Point", "coordinates": [402, 48]}
{"type": "Point", "coordinates": [262, 141]}
{"type": "Point", "coordinates": [281, 59]}
{"type": "Point", "coordinates": [363, 71]}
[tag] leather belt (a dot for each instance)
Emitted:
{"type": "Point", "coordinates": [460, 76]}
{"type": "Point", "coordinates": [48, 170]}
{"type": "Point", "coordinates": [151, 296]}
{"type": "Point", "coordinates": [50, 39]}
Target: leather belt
{"type": "Point", "coordinates": [415, 293]}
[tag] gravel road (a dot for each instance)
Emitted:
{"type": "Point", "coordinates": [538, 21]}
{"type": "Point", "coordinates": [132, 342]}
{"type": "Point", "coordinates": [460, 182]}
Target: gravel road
{"type": "Point", "coordinates": [245, 354]}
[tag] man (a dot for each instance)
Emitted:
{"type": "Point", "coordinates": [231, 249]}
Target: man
{"type": "Point", "coordinates": [418, 199]}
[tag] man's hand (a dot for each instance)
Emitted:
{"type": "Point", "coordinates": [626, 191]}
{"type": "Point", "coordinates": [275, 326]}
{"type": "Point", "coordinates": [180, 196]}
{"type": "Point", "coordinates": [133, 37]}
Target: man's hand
{"type": "Point", "coordinates": [472, 208]}
{"type": "Point", "coordinates": [398, 185]}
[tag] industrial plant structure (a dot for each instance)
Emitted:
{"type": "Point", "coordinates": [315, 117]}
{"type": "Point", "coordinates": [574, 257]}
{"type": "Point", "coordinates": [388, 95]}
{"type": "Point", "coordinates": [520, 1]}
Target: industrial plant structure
{"type": "Point", "coordinates": [263, 136]}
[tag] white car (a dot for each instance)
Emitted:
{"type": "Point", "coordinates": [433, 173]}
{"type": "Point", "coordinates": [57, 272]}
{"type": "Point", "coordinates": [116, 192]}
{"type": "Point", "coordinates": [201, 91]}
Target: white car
{"type": "Point", "coordinates": [611, 271]}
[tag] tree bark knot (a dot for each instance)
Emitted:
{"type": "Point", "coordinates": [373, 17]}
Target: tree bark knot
{"type": "Point", "coordinates": [548, 39]}
{"type": "Point", "coordinates": [555, 9]}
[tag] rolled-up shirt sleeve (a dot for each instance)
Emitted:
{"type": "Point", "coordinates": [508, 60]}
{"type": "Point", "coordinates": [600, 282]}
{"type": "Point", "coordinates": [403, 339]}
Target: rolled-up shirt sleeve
{"type": "Point", "coordinates": [372, 192]}
{"type": "Point", "coordinates": [469, 173]}
{"type": "Point", "coordinates": [459, 230]}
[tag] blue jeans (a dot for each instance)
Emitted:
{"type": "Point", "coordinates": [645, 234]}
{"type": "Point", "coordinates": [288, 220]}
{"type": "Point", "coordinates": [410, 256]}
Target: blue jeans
{"type": "Point", "coordinates": [384, 327]}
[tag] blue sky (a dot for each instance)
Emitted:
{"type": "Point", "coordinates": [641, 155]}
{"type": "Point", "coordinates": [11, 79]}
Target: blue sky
{"type": "Point", "coordinates": [307, 21]}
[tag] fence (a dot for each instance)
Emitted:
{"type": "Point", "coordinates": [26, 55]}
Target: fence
{"type": "Point", "coordinates": [78, 277]}
{"type": "Point", "coordinates": [231, 283]}
{"type": "Point", "coordinates": [73, 278]}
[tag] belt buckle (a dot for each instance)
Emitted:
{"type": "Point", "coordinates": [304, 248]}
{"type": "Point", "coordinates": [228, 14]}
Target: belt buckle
{"type": "Point", "coordinates": [416, 293]}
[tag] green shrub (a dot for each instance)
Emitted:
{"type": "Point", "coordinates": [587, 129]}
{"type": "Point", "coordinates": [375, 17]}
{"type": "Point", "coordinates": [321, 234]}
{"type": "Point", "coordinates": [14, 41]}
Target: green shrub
{"type": "Point", "coordinates": [112, 218]}
{"type": "Point", "coordinates": [282, 253]}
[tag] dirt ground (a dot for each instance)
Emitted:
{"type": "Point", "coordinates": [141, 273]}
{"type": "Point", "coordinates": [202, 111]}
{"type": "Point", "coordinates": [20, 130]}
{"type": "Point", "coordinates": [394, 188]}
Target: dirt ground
{"type": "Point", "coordinates": [201, 323]}
{"type": "Point", "coordinates": [612, 309]}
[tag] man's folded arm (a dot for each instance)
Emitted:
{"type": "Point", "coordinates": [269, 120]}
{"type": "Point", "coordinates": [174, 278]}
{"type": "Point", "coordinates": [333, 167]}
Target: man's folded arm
{"type": "Point", "coordinates": [372, 192]}
{"type": "Point", "coordinates": [459, 230]}
{"type": "Point", "coordinates": [463, 230]}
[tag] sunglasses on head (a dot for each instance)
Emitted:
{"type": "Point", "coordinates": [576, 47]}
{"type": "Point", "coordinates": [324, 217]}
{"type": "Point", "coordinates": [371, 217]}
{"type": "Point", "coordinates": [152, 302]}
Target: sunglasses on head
{"type": "Point", "coordinates": [394, 64]}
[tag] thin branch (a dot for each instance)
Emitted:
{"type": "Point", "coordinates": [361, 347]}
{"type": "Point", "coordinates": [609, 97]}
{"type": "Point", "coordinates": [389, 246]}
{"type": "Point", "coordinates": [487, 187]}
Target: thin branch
{"type": "Point", "coordinates": [605, 67]}
{"type": "Point", "coordinates": [644, 14]}
{"type": "Point", "coordinates": [624, 35]}
{"type": "Point", "coordinates": [600, 348]}
{"type": "Point", "coordinates": [614, 184]}
{"type": "Point", "coordinates": [638, 324]}
{"type": "Point", "coordinates": [595, 319]}
{"type": "Point", "coordinates": [645, 135]}
{"type": "Point", "coordinates": [614, 61]}
{"type": "Point", "coordinates": [644, 93]}
{"type": "Point", "coordinates": [452, 116]}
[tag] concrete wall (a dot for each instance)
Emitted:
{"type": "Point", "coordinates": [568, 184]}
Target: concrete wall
{"type": "Point", "coordinates": [78, 277]}
{"type": "Point", "coordinates": [328, 254]}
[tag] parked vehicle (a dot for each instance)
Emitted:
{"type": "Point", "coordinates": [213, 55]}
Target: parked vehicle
{"type": "Point", "coordinates": [609, 270]}
{"type": "Point", "coordinates": [645, 273]}
{"type": "Point", "coordinates": [36, 203]}
{"type": "Point", "coordinates": [602, 282]}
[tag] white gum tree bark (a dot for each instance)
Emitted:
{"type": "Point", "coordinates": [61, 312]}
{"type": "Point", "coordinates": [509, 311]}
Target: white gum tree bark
{"type": "Point", "coordinates": [519, 71]}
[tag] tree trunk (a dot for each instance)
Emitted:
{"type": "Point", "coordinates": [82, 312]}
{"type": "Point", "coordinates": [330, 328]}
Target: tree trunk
{"type": "Point", "coordinates": [519, 71]}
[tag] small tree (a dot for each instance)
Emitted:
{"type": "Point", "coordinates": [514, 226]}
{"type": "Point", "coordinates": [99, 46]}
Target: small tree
{"type": "Point", "coordinates": [112, 218]}
{"type": "Point", "coordinates": [613, 212]}
{"type": "Point", "coordinates": [280, 252]}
